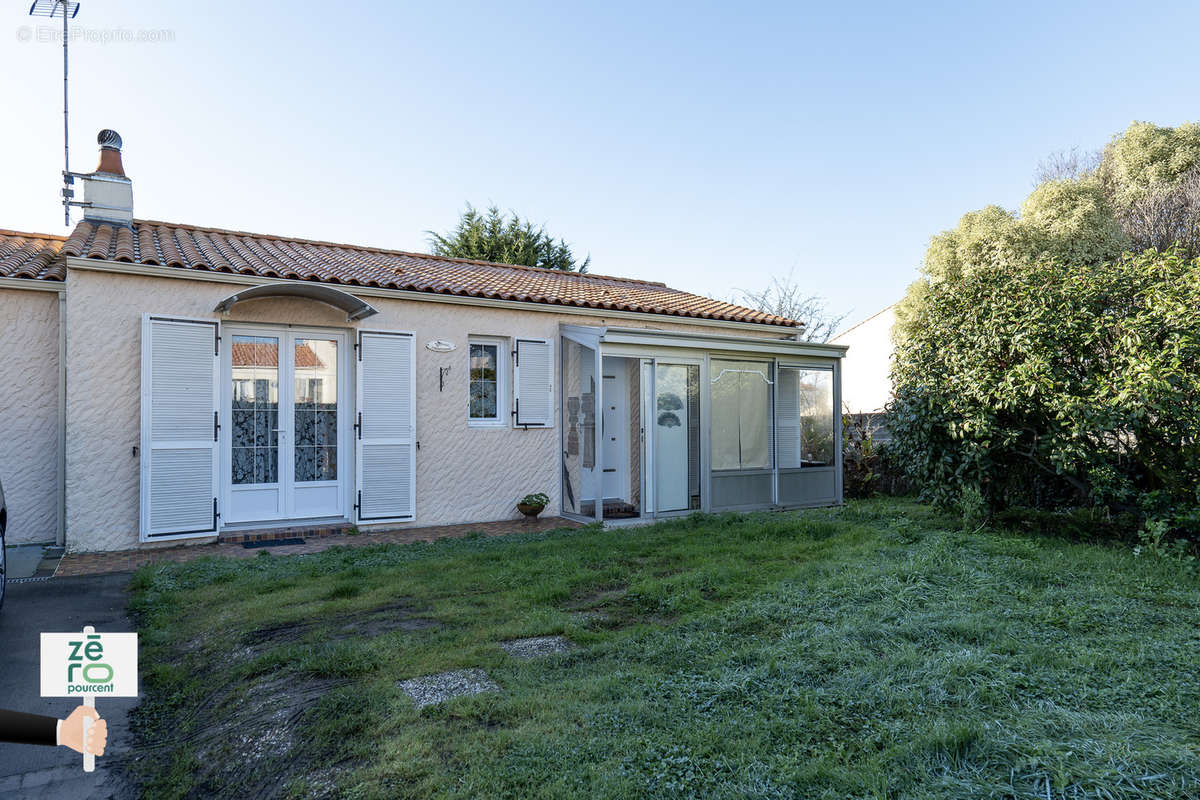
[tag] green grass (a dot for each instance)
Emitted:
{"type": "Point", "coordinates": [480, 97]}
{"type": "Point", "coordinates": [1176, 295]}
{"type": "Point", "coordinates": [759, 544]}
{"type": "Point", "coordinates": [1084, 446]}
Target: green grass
{"type": "Point", "coordinates": [872, 651]}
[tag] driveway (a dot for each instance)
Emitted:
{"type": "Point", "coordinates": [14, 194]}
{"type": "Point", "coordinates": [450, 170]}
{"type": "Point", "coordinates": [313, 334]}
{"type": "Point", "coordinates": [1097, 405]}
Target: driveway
{"type": "Point", "coordinates": [60, 604]}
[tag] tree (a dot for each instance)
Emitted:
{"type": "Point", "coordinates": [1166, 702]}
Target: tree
{"type": "Point", "coordinates": [1066, 164]}
{"type": "Point", "coordinates": [1151, 175]}
{"type": "Point", "coordinates": [1040, 362]}
{"type": "Point", "coordinates": [1145, 157]}
{"type": "Point", "coordinates": [504, 239]}
{"type": "Point", "coordinates": [784, 298]}
{"type": "Point", "coordinates": [1166, 215]}
{"type": "Point", "coordinates": [1142, 191]}
{"type": "Point", "coordinates": [1048, 384]}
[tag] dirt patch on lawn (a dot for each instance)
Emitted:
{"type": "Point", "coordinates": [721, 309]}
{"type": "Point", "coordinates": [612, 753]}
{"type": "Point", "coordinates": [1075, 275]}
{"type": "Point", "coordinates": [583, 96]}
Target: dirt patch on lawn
{"type": "Point", "coordinates": [605, 606]}
{"type": "Point", "coordinates": [613, 607]}
{"type": "Point", "coordinates": [595, 597]}
{"type": "Point", "coordinates": [373, 622]}
{"type": "Point", "coordinates": [273, 736]}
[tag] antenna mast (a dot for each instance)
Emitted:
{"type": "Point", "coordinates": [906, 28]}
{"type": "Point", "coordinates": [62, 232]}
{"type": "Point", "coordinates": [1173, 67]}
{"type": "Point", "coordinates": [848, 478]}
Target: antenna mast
{"type": "Point", "coordinates": [53, 8]}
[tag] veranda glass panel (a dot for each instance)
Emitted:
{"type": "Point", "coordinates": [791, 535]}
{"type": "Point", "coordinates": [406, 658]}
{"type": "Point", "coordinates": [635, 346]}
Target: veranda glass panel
{"type": "Point", "coordinates": [741, 415]}
{"type": "Point", "coordinates": [316, 410]}
{"type": "Point", "coordinates": [255, 409]}
{"type": "Point", "coordinates": [816, 417]}
{"type": "Point", "coordinates": [580, 478]}
{"type": "Point", "coordinates": [805, 417]}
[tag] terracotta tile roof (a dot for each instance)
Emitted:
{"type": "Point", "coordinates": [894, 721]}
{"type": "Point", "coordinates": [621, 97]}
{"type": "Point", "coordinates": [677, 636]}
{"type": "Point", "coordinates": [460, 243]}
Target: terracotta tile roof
{"type": "Point", "coordinates": [209, 249]}
{"type": "Point", "coordinates": [31, 255]}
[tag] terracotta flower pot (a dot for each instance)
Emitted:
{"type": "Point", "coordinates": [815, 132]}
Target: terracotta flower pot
{"type": "Point", "coordinates": [528, 510]}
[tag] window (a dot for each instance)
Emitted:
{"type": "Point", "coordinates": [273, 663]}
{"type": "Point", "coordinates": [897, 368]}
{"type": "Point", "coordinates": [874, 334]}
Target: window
{"type": "Point", "coordinates": [741, 414]}
{"type": "Point", "coordinates": [805, 411]}
{"type": "Point", "coordinates": [485, 399]}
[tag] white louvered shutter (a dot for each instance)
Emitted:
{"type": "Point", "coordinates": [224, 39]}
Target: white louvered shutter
{"type": "Point", "coordinates": [533, 384]}
{"type": "Point", "coordinates": [386, 429]}
{"type": "Point", "coordinates": [179, 428]}
{"type": "Point", "coordinates": [787, 417]}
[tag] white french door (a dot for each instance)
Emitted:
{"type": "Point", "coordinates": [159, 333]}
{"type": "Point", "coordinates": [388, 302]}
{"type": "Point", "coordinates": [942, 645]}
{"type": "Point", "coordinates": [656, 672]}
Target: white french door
{"type": "Point", "coordinates": [285, 449]}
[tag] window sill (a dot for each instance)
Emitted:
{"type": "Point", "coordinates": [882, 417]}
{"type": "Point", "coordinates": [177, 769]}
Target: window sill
{"type": "Point", "coordinates": [486, 423]}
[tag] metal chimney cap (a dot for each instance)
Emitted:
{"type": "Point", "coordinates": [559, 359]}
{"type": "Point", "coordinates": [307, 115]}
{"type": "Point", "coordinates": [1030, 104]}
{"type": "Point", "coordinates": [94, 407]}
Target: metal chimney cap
{"type": "Point", "coordinates": [109, 139]}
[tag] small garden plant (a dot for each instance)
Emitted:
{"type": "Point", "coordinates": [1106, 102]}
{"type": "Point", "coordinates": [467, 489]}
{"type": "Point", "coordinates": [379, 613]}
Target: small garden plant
{"type": "Point", "coordinates": [538, 499]}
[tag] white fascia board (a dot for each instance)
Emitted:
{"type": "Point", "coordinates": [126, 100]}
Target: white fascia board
{"type": "Point", "coordinates": [98, 265]}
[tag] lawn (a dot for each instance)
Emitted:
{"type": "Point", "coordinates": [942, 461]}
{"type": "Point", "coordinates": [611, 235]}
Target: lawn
{"type": "Point", "coordinates": [869, 651]}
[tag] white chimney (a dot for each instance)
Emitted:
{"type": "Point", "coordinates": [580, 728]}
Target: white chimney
{"type": "Point", "coordinates": [107, 193]}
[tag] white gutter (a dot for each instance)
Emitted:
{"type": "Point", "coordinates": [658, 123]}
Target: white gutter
{"type": "Point", "coordinates": [97, 265]}
{"type": "Point", "coordinates": [712, 341]}
{"type": "Point", "coordinates": [33, 284]}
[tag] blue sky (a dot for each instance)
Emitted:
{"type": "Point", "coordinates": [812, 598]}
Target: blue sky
{"type": "Point", "coordinates": [710, 146]}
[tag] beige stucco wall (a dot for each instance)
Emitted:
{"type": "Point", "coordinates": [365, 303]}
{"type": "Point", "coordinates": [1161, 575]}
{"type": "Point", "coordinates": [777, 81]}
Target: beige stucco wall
{"type": "Point", "coordinates": [29, 413]}
{"type": "Point", "coordinates": [463, 474]}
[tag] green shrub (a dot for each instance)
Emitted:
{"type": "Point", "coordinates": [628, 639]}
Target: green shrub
{"type": "Point", "coordinates": [1052, 385]}
{"type": "Point", "coordinates": [869, 467]}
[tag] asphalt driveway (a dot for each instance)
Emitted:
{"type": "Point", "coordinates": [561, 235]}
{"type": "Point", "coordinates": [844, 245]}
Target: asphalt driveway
{"type": "Point", "coordinates": [60, 604]}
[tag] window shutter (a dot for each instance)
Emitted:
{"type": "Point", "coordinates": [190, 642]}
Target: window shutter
{"type": "Point", "coordinates": [533, 395]}
{"type": "Point", "coordinates": [787, 416]}
{"type": "Point", "coordinates": [179, 428]}
{"type": "Point", "coordinates": [386, 427]}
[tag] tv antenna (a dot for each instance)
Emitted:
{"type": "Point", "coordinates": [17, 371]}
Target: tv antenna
{"type": "Point", "coordinates": [66, 10]}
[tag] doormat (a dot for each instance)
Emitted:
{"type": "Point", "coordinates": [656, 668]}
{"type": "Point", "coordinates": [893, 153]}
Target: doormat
{"type": "Point", "coordinates": [271, 543]}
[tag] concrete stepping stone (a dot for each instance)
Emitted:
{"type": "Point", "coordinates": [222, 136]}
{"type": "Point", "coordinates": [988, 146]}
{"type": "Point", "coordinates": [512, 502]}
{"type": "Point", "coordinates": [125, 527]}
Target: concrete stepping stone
{"type": "Point", "coordinates": [536, 646]}
{"type": "Point", "coordinates": [433, 689]}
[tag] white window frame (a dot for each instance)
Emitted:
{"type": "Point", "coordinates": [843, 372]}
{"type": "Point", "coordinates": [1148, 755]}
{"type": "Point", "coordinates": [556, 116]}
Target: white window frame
{"type": "Point", "coordinates": [503, 381]}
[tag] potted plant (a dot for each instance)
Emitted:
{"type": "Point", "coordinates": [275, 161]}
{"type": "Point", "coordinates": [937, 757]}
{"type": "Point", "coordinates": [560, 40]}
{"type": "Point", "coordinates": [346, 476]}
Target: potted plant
{"type": "Point", "coordinates": [532, 504]}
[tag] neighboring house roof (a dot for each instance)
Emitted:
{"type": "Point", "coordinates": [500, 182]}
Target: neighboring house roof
{"type": "Point", "coordinates": [883, 310]}
{"type": "Point", "coordinates": [261, 354]}
{"type": "Point", "coordinates": [211, 249]}
{"type": "Point", "coordinates": [31, 255]}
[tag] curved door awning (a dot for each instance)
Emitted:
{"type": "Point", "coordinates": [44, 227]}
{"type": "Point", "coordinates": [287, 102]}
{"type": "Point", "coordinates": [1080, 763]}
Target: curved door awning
{"type": "Point", "coordinates": [322, 293]}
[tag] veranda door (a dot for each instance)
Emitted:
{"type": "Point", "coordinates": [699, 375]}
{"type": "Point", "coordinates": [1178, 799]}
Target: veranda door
{"type": "Point", "coordinates": [284, 422]}
{"type": "Point", "coordinates": [671, 421]}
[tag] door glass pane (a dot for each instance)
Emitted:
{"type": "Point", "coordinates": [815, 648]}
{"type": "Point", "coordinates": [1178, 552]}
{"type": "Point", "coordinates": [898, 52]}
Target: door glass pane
{"type": "Point", "coordinates": [316, 409]}
{"type": "Point", "coordinates": [255, 409]}
{"type": "Point", "coordinates": [580, 479]}
{"type": "Point", "coordinates": [676, 437]}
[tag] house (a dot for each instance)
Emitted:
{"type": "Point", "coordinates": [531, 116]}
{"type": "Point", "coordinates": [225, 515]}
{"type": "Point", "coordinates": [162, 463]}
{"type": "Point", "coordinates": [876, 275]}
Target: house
{"type": "Point", "coordinates": [170, 382]}
{"type": "Point", "coordinates": [867, 367]}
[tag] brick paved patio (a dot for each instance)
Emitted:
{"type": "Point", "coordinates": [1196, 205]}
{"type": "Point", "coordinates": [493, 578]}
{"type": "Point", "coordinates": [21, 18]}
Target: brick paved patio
{"type": "Point", "coordinates": [129, 560]}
